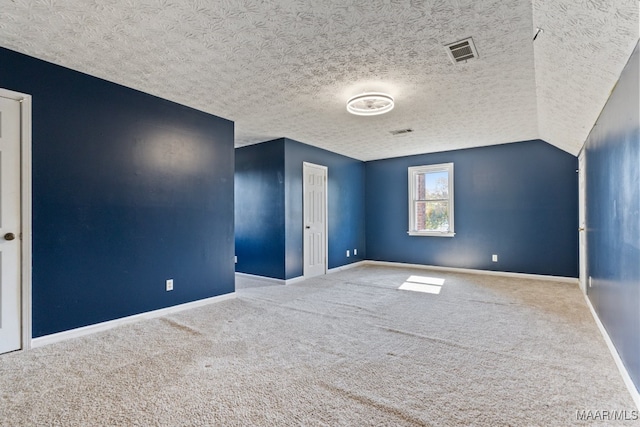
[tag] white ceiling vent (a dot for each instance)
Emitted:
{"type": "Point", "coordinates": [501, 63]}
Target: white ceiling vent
{"type": "Point", "coordinates": [461, 50]}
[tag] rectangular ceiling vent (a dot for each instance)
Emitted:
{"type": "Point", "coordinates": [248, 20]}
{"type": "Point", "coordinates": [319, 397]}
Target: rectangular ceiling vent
{"type": "Point", "coordinates": [400, 131]}
{"type": "Point", "coordinates": [462, 50]}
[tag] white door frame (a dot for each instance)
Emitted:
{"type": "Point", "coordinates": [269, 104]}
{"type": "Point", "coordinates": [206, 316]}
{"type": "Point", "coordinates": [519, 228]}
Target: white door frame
{"type": "Point", "coordinates": [582, 223]}
{"type": "Point", "coordinates": [326, 216]}
{"type": "Point", "coordinates": [25, 211]}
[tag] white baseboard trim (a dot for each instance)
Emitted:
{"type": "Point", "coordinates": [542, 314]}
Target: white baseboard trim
{"type": "Point", "coordinates": [263, 278]}
{"type": "Point", "coordinates": [271, 279]}
{"type": "Point", "coordinates": [572, 280]}
{"type": "Point", "coordinates": [635, 395]}
{"type": "Point", "coordinates": [110, 324]}
{"type": "Point", "coordinates": [346, 267]}
{"type": "Point", "coordinates": [294, 280]}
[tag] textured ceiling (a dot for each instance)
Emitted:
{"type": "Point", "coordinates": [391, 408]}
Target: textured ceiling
{"type": "Point", "coordinates": [285, 68]}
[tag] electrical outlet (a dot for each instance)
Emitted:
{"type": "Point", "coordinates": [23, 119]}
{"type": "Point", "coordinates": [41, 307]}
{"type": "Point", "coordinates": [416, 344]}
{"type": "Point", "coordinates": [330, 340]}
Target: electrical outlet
{"type": "Point", "coordinates": [169, 284]}
{"type": "Point", "coordinates": [355, 252]}
{"type": "Point", "coordinates": [347, 253]}
{"type": "Point", "coordinates": [494, 258]}
{"type": "Point", "coordinates": [235, 259]}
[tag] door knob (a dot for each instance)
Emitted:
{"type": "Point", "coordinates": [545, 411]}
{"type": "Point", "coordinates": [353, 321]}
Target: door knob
{"type": "Point", "coordinates": [308, 226]}
{"type": "Point", "coordinates": [9, 236]}
{"type": "Point", "coordinates": [581, 229]}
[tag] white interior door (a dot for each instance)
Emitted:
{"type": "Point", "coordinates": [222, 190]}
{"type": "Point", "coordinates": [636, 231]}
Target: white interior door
{"type": "Point", "coordinates": [582, 223]}
{"type": "Point", "coordinates": [10, 286]}
{"type": "Point", "coordinates": [314, 188]}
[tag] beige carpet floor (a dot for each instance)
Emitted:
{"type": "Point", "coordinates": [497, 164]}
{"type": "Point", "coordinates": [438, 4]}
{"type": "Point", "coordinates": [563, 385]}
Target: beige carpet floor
{"type": "Point", "coordinates": [346, 349]}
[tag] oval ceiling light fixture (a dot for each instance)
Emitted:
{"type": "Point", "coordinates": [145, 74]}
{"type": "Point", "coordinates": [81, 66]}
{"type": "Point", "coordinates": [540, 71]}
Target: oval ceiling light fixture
{"type": "Point", "coordinates": [370, 104]}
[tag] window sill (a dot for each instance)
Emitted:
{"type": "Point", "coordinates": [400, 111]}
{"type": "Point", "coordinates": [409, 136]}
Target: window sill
{"type": "Point", "coordinates": [431, 233]}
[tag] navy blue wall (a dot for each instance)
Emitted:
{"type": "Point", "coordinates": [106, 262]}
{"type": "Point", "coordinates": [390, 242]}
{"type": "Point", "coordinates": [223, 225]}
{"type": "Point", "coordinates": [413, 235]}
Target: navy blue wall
{"type": "Point", "coordinates": [259, 209]}
{"type": "Point", "coordinates": [345, 206]}
{"type": "Point", "coordinates": [128, 190]}
{"type": "Point", "coordinates": [612, 154]}
{"type": "Point", "coordinates": [518, 201]}
{"type": "Point", "coordinates": [269, 239]}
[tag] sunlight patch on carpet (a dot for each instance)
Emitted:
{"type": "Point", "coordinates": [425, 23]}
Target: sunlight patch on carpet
{"type": "Point", "coordinates": [426, 284]}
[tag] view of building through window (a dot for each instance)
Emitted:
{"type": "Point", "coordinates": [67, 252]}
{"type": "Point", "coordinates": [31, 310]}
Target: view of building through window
{"type": "Point", "coordinates": [431, 199]}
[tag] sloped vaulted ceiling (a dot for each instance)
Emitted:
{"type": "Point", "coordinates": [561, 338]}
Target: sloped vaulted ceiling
{"type": "Point", "coordinates": [578, 60]}
{"type": "Point", "coordinates": [287, 67]}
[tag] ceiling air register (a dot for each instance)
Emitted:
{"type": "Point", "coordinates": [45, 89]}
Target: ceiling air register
{"type": "Point", "coordinates": [462, 50]}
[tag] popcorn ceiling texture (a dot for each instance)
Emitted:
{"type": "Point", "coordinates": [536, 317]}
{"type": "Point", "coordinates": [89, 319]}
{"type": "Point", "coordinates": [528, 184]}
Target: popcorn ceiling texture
{"type": "Point", "coordinates": [579, 58]}
{"type": "Point", "coordinates": [285, 68]}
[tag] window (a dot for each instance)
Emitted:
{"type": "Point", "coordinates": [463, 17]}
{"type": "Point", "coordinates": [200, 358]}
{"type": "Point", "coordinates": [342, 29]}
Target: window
{"type": "Point", "coordinates": [431, 200]}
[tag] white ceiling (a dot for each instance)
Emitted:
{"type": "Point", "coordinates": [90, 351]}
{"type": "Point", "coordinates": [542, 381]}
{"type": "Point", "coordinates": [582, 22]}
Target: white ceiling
{"type": "Point", "coordinates": [285, 68]}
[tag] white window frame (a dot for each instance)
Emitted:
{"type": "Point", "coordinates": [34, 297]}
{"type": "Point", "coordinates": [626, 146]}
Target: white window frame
{"type": "Point", "coordinates": [417, 170]}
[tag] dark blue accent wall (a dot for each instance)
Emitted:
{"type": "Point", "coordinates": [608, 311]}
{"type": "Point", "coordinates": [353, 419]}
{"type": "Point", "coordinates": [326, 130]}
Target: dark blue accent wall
{"type": "Point", "coordinates": [259, 209]}
{"type": "Point", "coordinates": [269, 239]}
{"type": "Point", "coordinates": [345, 206]}
{"type": "Point", "coordinates": [518, 201]}
{"type": "Point", "coordinates": [612, 154]}
{"type": "Point", "coordinates": [128, 190]}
